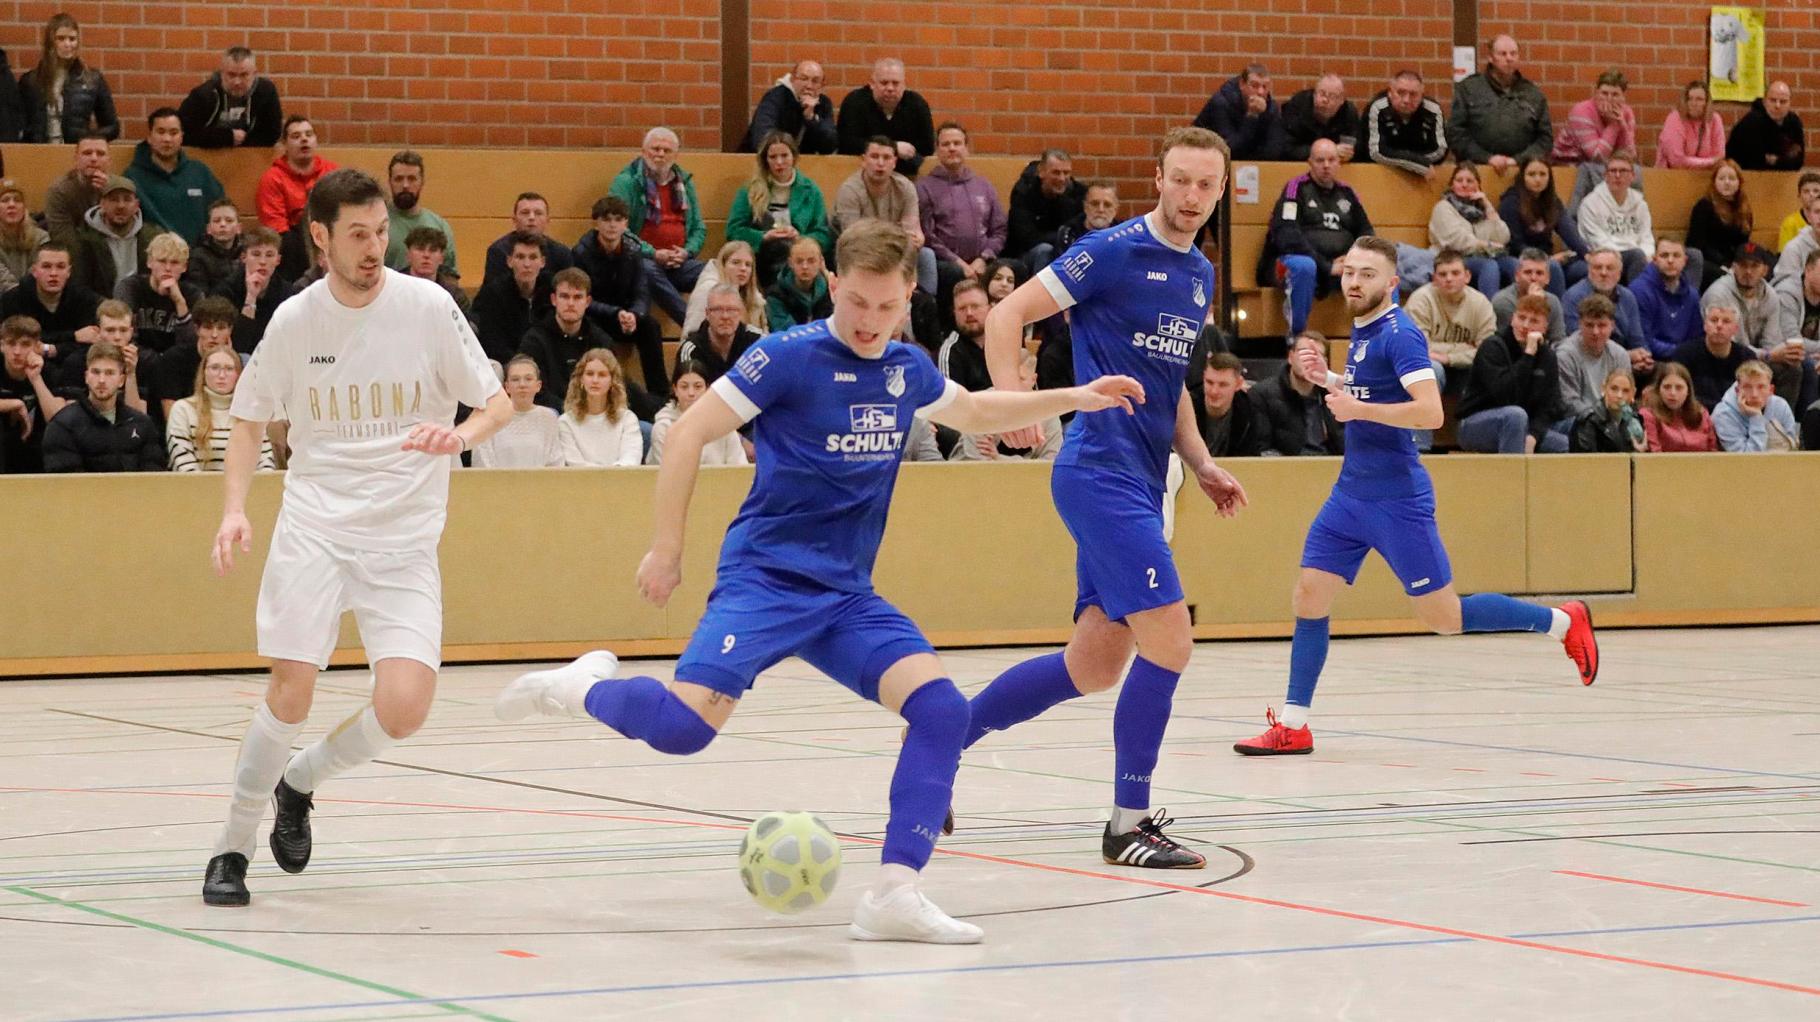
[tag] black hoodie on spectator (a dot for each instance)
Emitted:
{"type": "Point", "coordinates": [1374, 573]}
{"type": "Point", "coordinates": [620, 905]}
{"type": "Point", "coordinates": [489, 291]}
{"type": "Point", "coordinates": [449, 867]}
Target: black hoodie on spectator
{"type": "Point", "coordinates": [1037, 218]}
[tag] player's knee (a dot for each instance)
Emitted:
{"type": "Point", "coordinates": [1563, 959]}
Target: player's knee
{"type": "Point", "coordinates": [1440, 619]}
{"type": "Point", "coordinates": [401, 721]}
{"type": "Point", "coordinates": [679, 731]}
{"type": "Point", "coordinates": [938, 710]}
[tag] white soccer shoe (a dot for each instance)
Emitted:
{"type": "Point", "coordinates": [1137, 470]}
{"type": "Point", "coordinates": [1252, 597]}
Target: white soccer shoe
{"type": "Point", "coordinates": [557, 694]}
{"type": "Point", "coordinates": [907, 914]}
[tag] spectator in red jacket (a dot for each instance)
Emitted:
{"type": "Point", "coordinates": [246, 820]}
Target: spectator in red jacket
{"type": "Point", "coordinates": [284, 189]}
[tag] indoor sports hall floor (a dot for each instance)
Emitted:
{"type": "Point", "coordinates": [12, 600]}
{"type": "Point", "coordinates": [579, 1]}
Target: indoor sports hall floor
{"type": "Point", "coordinates": [1475, 837]}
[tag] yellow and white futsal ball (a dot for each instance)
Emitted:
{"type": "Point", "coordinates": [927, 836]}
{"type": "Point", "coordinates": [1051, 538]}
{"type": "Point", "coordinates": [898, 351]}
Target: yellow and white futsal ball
{"type": "Point", "coordinates": [789, 861]}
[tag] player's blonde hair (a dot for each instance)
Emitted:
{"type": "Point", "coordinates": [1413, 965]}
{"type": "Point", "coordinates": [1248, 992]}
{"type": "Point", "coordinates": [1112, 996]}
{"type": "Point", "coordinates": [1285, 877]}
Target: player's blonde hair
{"type": "Point", "coordinates": [875, 246]}
{"type": "Point", "coordinates": [576, 403]}
{"type": "Point", "coordinates": [205, 409]}
{"type": "Point", "coordinates": [1193, 138]}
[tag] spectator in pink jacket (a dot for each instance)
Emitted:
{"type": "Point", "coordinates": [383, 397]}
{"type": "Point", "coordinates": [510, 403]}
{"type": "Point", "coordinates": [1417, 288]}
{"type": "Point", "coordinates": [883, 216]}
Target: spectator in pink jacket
{"type": "Point", "coordinates": [1595, 129]}
{"type": "Point", "coordinates": [1693, 135]}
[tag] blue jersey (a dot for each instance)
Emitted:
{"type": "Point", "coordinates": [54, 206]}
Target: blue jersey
{"type": "Point", "coordinates": [1137, 305]}
{"type": "Point", "coordinates": [1386, 356]}
{"type": "Point", "coordinates": [829, 441]}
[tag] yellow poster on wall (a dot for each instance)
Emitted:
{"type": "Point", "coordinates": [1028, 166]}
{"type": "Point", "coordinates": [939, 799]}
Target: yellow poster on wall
{"type": "Point", "coordinates": [1735, 54]}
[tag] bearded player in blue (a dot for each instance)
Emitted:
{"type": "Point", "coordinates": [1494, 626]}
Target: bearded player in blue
{"type": "Point", "coordinates": [1136, 295]}
{"type": "Point", "coordinates": [1384, 501]}
{"type": "Point", "coordinates": [833, 401]}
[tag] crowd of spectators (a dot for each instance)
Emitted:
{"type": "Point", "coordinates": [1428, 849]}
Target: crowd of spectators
{"type": "Point", "coordinates": [129, 302]}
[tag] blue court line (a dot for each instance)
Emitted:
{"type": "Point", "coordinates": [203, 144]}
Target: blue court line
{"type": "Point", "coordinates": [957, 971]}
{"type": "Point", "coordinates": [1530, 751]}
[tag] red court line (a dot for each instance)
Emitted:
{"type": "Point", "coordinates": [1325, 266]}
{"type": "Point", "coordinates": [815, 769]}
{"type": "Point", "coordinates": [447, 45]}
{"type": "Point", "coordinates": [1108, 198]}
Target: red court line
{"type": "Point", "coordinates": [1683, 890]}
{"type": "Point", "coordinates": [1137, 881]}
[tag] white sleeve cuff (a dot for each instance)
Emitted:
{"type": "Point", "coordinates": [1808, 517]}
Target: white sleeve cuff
{"type": "Point", "coordinates": [1417, 376]}
{"type": "Point", "coordinates": [1057, 290]}
{"type": "Point", "coordinates": [950, 391]}
{"type": "Point", "coordinates": [735, 398]}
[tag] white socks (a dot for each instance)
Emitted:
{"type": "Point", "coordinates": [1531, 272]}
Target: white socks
{"type": "Point", "coordinates": [1293, 716]}
{"type": "Point", "coordinates": [892, 875]}
{"type": "Point", "coordinates": [1124, 821]}
{"type": "Point", "coordinates": [1557, 628]}
{"type": "Point", "coordinates": [356, 740]}
{"type": "Point", "coordinates": [263, 753]}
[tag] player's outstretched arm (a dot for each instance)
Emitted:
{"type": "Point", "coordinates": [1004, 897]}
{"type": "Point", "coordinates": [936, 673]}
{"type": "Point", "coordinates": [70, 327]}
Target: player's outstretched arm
{"type": "Point", "coordinates": [245, 438]}
{"type": "Point", "coordinates": [1003, 411]}
{"type": "Point", "coordinates": [1004, 342]}
{"type": "Point", "coordinates": [1219, 485]}
{"type": "Point", "coordinates": [709, 419]}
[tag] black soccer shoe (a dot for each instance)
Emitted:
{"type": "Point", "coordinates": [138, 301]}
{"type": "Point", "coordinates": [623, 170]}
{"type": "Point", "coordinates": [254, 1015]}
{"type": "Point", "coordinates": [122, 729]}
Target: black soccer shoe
{"type": "Point", "coordinates": [1148, 847]}
{"type": "Point", "coordinates": [225, 881]}
{"type": "Point", "coordinates": [948, 822]}
{"type": "Point", "coordinates": [290, 828]}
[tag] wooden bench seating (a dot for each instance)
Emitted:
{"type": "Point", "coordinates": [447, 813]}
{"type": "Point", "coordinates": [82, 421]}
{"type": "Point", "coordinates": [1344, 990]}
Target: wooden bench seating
{"type": "Point", "coordinates": [473, 188]}
{"type": "Point", "coordinates": [1399, 206]}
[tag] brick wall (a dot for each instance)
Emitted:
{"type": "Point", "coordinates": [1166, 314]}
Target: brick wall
{"type": "Point", "coordinates": [1102, 77]}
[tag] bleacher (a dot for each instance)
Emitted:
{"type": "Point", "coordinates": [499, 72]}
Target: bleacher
{"type": "Point", "coordinates": [1399, 205]}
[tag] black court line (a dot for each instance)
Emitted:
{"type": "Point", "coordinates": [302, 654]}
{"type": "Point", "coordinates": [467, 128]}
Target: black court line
{"type": "Point", "coordinates": [1644, 833]}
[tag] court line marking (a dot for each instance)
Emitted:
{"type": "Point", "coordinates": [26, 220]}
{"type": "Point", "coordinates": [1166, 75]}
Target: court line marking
{"type": "Point", "coordinates": [1683, 890]}
{"type": "Point", "coordinates": [1246, 899]}
{"type": "Point", "coordinates": [958, 970]}
{"type": "Point", "coordinates": [405, 996]}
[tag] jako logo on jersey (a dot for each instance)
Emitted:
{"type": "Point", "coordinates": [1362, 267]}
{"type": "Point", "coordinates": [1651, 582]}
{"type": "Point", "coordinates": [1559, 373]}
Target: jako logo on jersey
{"type": "Point", "coordinates": [752, 366]}
{"type": "Point", "coordinates": [1175, 337]}
{"type": "Point", "coordinates": [845, 378]}
{"type": "Point", "coordinates": [1076, 265]}
{"type": "Point", "coordinates": [1156, 275]}
{"type": "Point", "coordinates": [322, 360]}
{"type": "Point", "coordinates": [873, 431]}
{"type": "Point", "coordinates": [894, 385]}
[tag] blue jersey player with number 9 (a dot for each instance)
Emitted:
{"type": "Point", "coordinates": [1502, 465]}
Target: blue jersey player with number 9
{"type": "Point", "coordinates": [1137, 294]}
{"type": "Point", "coordinates": [831, 403]}
{"type": "Point", "coordinates": [1384, 501]}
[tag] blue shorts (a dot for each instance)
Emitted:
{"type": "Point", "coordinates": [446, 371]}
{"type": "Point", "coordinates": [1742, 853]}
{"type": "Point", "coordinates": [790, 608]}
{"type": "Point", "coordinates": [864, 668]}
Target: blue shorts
{"type": "Point", "coordinates": [1122, 563]}
{"type": "Point", "coordinates": [1402, 531]}
{"type": "Point", "coordinates": [757, 619]}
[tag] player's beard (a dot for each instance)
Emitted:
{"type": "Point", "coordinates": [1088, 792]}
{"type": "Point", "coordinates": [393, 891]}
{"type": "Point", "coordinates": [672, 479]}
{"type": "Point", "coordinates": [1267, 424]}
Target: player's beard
{"type": "Point", "coordinates": [1370, 303]}
{"type": "Point", "coordinates": [355, 276]}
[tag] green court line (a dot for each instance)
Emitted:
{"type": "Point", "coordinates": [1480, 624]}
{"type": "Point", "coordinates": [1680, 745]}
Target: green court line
{"type": "Point", "coordinates": [222, 945]}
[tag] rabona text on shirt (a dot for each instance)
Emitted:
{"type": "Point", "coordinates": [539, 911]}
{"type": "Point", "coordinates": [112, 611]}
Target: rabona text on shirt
{"type": "Point", "coordinates": [354, 411]}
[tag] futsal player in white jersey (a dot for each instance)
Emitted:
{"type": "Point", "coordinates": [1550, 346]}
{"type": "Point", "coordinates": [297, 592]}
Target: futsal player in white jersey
{"type": "Point", "coordinates": [367, 366]}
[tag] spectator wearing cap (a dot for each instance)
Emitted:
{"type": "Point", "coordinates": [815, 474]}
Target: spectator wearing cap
{"type": "Point", "coordinates": [19, 237]}
{"type": "Point", "coordinates": [175, 192]}
{"type": "Point", "coordinates": [1745, 284]}
{"type": "Point", "coordinates": [112, 241]}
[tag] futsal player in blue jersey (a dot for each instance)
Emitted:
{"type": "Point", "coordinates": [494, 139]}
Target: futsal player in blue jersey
{"type": "Point", "coordinates": [833, 401]}
{"type": "Point", "coordinates": [1384, 501]}
{"type": "Point", "coordinates": [1136, 295]}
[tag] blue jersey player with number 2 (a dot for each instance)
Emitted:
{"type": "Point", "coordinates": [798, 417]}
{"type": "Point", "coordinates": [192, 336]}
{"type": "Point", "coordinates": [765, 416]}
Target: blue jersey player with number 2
{"type": "Point", "coordinates": [1136, 294]}
{"type": "Point", "coordinates": [833, 401]}
{"type": "Point", "coordinates": [1384, 501]}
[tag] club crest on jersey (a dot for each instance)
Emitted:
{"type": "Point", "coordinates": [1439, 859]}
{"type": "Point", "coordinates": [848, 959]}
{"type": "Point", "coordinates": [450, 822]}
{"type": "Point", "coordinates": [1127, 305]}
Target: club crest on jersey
{"type": "Point", "coordinates": [1076, 265]}
{"type": "Point", "coordinates": [1200, 293]}
{"type": "Point", "coordinates": [894, 381]}
{"type": "Point", "coordinates": [752, 364]}
{"type": "Point", "coordinates": [1358, 353]}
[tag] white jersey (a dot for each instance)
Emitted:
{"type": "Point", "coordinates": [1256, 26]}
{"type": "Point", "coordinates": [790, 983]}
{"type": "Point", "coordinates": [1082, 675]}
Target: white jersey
{"type": "Point", "coordinates": [352, 383]}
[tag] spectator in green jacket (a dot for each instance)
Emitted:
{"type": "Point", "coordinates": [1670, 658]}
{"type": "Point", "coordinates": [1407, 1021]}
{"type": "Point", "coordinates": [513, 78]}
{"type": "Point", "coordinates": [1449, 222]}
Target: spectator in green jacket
{"type": "Point", "coordinates": [778, 206]}
{"type": "Point", "coordinates": [666, 219]}
{"type": "Point", "coordinates": [174, 191]}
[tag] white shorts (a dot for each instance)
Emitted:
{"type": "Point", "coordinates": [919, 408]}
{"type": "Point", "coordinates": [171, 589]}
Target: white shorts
{"type": "Point", "coordinates": [396, 597]}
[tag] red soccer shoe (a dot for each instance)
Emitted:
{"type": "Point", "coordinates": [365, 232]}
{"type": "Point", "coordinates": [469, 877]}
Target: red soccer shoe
{"type": "Point", "coordinates": [1582, 645]}
{"type": "Point", "coordinates": [1277, 740]}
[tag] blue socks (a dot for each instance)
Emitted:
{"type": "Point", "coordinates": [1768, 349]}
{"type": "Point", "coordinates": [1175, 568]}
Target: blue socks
{"type": "Point", "coordinates": [1137, 730]}
{"type": "Point", "coordinates": [643, 708]}
{"type": "Point", "coordinates": [1495, 612]}
{"type": "Point", "coordinates": [1307, 656]}
{"type": "Point", "coordinates": [922, 788]}
{"type": "Point", "coordinates": [1019, 694]}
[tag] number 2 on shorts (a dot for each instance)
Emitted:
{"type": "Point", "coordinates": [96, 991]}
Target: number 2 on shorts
{"type": "Point", "coordinates": [1152, 573]}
